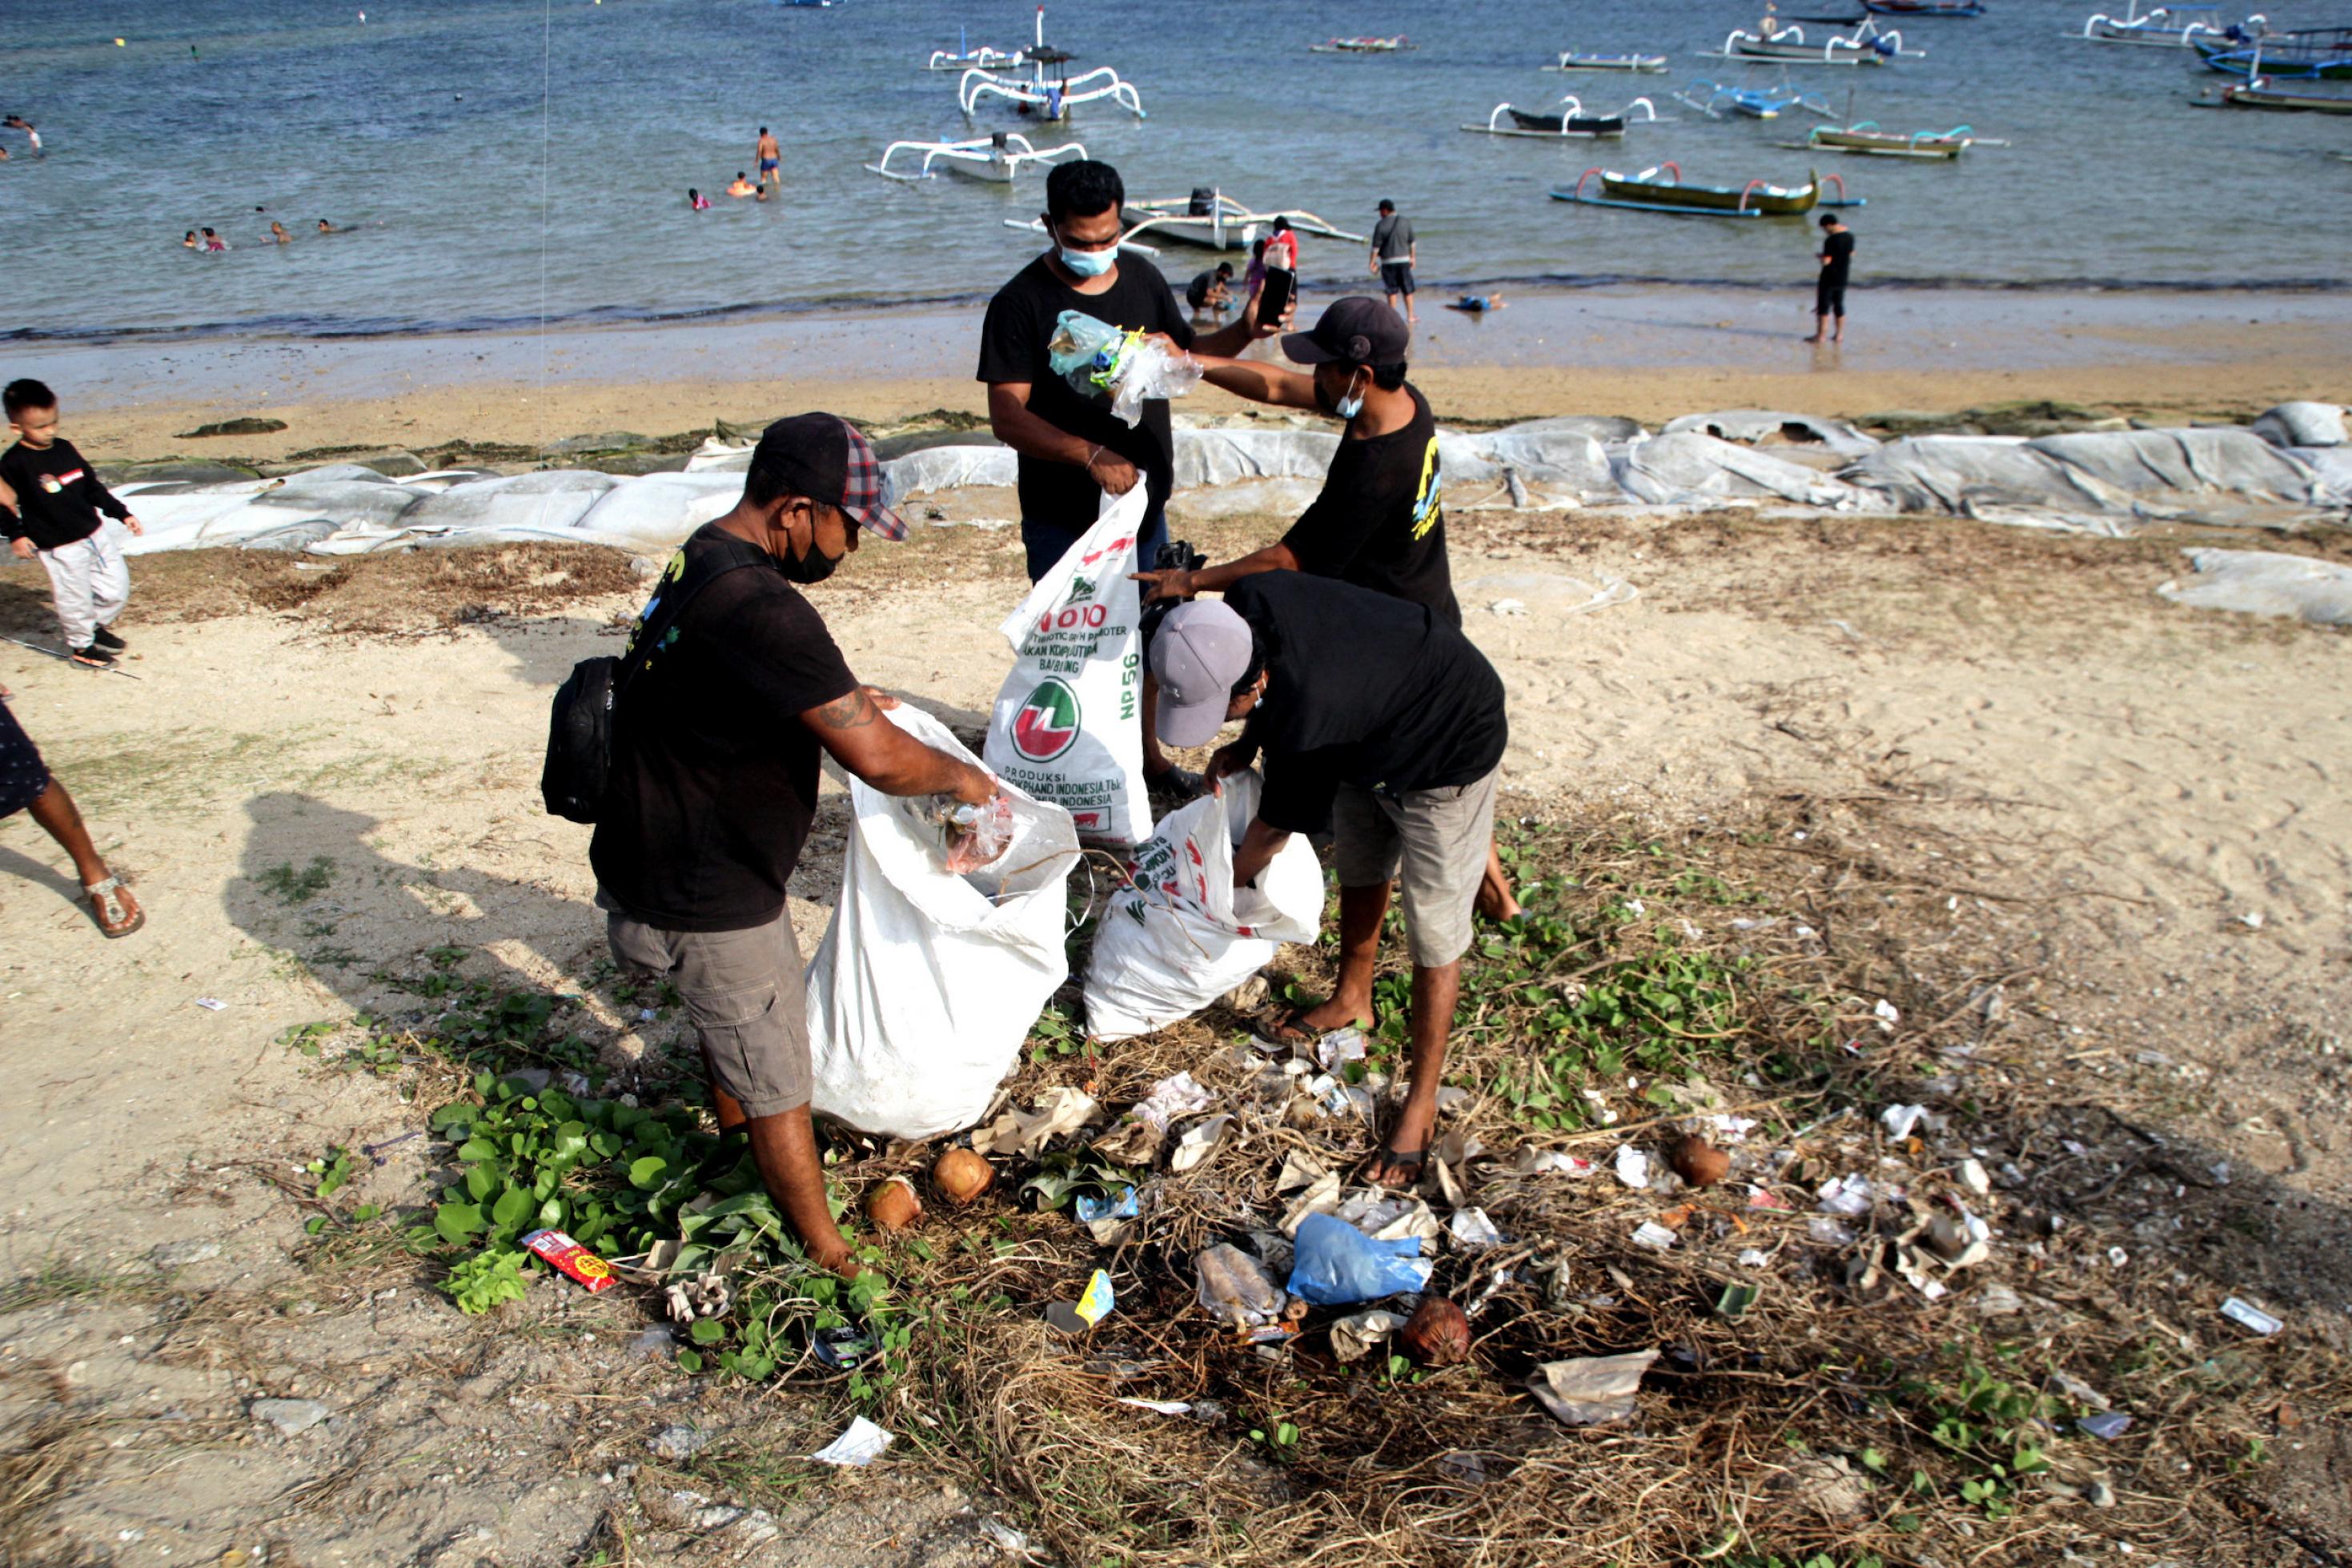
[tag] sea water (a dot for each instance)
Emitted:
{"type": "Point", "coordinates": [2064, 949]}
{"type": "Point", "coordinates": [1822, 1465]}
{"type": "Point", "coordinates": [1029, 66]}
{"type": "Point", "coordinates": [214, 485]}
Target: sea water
{"type": "Point", "coordinates": [505, 162]}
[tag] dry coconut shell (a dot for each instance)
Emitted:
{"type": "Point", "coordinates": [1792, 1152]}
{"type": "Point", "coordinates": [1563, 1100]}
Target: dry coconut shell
{"type": "Point", "coordinates": [962, 1176]}
{"type": "Point", "coordinates": [893, 1206]}
{"type": "Point", "coordinates": [1698, 1162]}
{"type": "Point", "coordinates": [1437, 1334]}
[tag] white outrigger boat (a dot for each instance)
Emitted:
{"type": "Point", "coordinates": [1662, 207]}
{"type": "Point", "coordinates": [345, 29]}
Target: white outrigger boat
{"type": "Point", "coordinates": [1569, 119]}
{"type": "Point", "coordinates": [1784, 44]}
{"type": "Point", "coordinates": [996, 160]}
{"type": "Point", "coordinates": [1207, 218]}
{"type": "Point", "coordinates": [2166, 27]}
{"type": "Point", "coordinates": [1049, 92]}
{"type": "Point", "coordinates": [963, 57]}
{"type": "Point", "coordinates": [1362, 45]}
{"type": "Point", "coordinates": [1570, 60]}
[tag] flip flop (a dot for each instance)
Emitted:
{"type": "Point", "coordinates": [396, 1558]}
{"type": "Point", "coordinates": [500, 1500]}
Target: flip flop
{"type": "Point", "coordinates": [1292, 1027]}
{"type": "Point", "coordinates": [1412, 1159]}
{"type": "Point", "coordinates": [110, 904]}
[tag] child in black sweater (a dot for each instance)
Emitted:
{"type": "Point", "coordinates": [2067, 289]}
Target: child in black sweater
{"type": "Point", "coordinates": [50, 504]}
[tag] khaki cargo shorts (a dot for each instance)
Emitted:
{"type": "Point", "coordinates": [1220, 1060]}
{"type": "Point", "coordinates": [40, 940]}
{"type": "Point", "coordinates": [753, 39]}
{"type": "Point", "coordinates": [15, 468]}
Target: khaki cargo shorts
{"type": "Point", "coordinates": [743, 995]}
{"type": "Point", "coordinates": [1433, 843]}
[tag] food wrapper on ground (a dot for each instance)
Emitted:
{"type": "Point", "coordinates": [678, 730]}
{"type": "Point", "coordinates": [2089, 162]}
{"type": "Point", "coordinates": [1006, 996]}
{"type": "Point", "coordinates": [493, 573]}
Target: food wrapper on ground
{"type": "Point", "coordinates": [1354, 1337]}
{"type": "Point", "coordinates": [861, 1445]}
{"type": "Point", "coordinates": [1235, 1287]}
{"type": "Point", "coordinates": [1026, 1133]}
{"type": "Point", "coordinates": [1337, 1264]}
{"type": "Point", "coordinates": [1592, 1389]}
{"type": "Point", "coordinates": [559, 1252]}
{"type": "Point", "coordinates": [1099, 360]}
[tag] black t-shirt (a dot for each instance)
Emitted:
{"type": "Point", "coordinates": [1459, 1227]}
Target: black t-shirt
{"type": "Point", "coordinates": [57, 497]}
{"type": "Point", "coordinates": [714, 775]}
{"type": "Point", "coordinates": [1196, 293]}
{"type": "Point", "coordinates": [1839, 248]}
{"type": "Point", "coordinates": [1365, 689]}
{"type": "Point", "coordinates": [1013, 348]}
{"type": "Point", "coordinates": [1379, 522]}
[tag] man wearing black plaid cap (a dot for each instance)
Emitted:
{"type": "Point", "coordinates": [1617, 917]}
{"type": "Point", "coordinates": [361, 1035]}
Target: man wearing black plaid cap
{"type": "Point", "coordinates": [714, 780]}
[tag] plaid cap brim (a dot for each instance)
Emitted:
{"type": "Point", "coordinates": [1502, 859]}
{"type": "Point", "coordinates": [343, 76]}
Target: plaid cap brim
{"type": "Point", "coordinates": [866, 489]}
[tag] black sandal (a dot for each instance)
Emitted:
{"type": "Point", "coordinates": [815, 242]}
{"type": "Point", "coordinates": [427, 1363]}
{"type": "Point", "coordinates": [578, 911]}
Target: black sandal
{"type": "Point", "coordinates": [1412, 1159]}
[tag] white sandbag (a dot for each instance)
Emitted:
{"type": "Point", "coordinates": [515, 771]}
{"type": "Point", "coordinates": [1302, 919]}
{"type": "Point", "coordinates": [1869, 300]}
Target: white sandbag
{"type": "Point", "coordinates": [1750, 425]}
{"type": "Point", "coordinates": [1182, 935]}
{"type": "Point", "coordinates": [927, 982]}
{"type": "Point", "coordinates": [1210, 457]}
{"type": "Point", "coordinates": [654, 513]}
{"type": "Point", "coordinates": [1068, 725]}
{"type": "Point", "coordinates": [2303, 424]}
{"type": "Point", "coordinates": [1690, 466]}
{"type": "Point", "coordinates": [951, 468]}
{"type": "Point", "coordinates": [1540, 468]}
{"type": "Point", "coordinates": [524, 506]}
{"type": "Point", "coordinates": [2264, 582]}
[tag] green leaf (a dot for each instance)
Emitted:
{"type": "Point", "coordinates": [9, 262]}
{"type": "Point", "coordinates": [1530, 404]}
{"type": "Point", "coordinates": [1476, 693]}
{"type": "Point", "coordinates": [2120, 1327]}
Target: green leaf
{"type": "Point", "coordinates": [315, 1224]}
{"type": "Point", "coordinates": [513, 1207]}
{"type": "Point", "coordinates": [688, 1361]}
{"type": "Point", "coordinates": [480, 1182]}
{"type": "Point", "coordinates": [706, 1330]}
{"type": "Point", "coordinates": [475, 1148]}
{"type": "Point", "coordinates": [457, 1221]}
{"type": "Point", "coordinates": [646, 1173]}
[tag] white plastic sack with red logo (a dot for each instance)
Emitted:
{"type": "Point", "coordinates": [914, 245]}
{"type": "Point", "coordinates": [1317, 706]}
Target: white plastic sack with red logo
{"type": "Point", "coordinates": [1184, 935]}
{"type": "Point", "coordinates": [927, 982]}
{"type": "Point", "coordinates": [1068, 720]}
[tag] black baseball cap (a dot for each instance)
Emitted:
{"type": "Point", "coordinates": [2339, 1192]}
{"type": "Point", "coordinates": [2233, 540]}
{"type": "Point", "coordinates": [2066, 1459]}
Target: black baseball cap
{"type": "Point", "coordinates": [824, 457]}
{"type": "Point", "coordinates": [1356, 330]}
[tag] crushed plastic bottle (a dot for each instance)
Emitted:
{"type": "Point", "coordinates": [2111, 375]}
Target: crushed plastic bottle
{"type": "Point", "coordinates": [1098, 359]}
{"type": "Point", "coordinates": [976, 835]}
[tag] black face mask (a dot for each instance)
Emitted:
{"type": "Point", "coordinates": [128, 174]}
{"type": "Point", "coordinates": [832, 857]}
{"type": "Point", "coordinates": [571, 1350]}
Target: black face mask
{"type": "Point", "coordinates": [812, 568]}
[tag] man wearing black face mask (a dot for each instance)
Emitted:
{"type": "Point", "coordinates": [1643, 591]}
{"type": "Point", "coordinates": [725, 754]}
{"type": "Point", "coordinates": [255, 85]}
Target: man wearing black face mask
{"type": "Point", "coordinates": [714, 780]}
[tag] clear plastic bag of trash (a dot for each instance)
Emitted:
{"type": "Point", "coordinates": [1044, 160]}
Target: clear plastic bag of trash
{"type": "Point", "coordinates": [975, 835]}
{"type": "Point", "coordinates": [1235, 1286]}
{"type": "Point", "coordinates": [1101, 360]}
{"type": "Point", "coordinates": [1335, 1264]}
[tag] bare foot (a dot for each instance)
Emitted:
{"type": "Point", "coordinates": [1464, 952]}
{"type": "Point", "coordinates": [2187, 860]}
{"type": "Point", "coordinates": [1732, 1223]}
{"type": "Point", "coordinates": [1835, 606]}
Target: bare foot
{"type": "Point", "coordinates": [1814, 339]}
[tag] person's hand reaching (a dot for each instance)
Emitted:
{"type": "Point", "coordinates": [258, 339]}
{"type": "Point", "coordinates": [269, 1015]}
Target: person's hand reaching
{"type": "Point", "coordinates": [1169, 584]}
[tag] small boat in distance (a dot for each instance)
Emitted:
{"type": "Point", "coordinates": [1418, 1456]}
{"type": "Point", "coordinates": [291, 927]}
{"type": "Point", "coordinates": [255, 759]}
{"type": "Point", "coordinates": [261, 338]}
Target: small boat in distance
{"type": "Point", "coordinates": [1864, 136]}
{"type": "Point", "coordinates": [964, 56]}
{"type": "Point", "coordinates": [1570, 120]}
{"type": "Point", "coordinates": [1214, 221]}
{"type": "Point", "coordinates": [2260, 93]}
{"type": "Point", "coordinates": [1784, 44]}
{"type": "Point", "coordinates": [1711, 98]}
{"type": "Point", "coordinates": [1049, 92]}
{"type": "Point", "coordinates": [2309, 54]}
{"type": "Point", "coordinates": [1570, 60]}
{"type": "Point", "coordinates": [1662, 190]}
{"type": "Point", "coordinates": [1362, 45]}
{"type": "Point", "coordinates": [2166, 27]}
{"type": "Point", "coordinates": [995, 159]}
{"type": "Point", "coordinates": [1924, 8]}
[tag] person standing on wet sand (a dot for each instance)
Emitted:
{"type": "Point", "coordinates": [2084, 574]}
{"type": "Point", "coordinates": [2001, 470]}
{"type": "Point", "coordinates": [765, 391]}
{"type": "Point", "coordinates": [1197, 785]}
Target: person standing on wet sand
{"type": "Point", "coordinates": [1836, 257]}
{"type": "Point", "coordinates": [770, 156]}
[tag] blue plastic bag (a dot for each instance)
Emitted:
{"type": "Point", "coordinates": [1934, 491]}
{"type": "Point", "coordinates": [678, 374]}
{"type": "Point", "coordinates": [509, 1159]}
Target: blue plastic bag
{"type": "Point", "coordinates": [1333, 1264]}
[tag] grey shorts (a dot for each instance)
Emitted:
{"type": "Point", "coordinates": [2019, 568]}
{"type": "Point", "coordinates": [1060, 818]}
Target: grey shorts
{"type": "Point", "coordinates": [743, 995]}
{"type": "Point", "coordinates": [1396, 277]}
{"type": "Point", "coordinates": [1433, 843]}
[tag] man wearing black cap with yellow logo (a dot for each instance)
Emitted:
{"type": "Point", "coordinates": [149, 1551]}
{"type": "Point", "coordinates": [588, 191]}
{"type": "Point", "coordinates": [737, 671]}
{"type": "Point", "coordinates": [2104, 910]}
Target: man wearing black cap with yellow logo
{"type": "Point", "coordinates": [1379, 522]}
{"type": "Point", "coordinates": [1381, 724]}
{"type": "Point", "coordinates": [713, 781]}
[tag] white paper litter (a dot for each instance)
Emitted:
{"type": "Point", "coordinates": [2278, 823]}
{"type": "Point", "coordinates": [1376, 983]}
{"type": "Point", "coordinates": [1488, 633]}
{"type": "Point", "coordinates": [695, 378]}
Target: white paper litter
{"type": "Point", "coordinates": [1592, 1389]}
{"type": "Point", "coordinates": [1340, 1047]}
{"type": "Point", "coordinates": [1160, 1406]}
{"type": "Point", "coordinates": [1653, 1235]}
{"type": "Point", "coordinates": [861, 1445]}
{"type": "Point", "coordinates": [1300, 1170]}
{"type": "Point", "coordinates": [1171, 1098]}
{"type": "Point", "coordinates": [1355, 1336]}
{"type": "Point", "coordinates": [1471, 1227]}
{"type": "Point", "coordinates": [1850, 1196]}
{"type": "Point", "coordinates": [1057, 1112]}
{"type": "Point", "coordinates": [1532, 1161]}
{"type": "Point", "coordinates": [1632, 1167]}
{"type": "Point", "coordinates": [1902, 1119]}
{"type": "Point", "coordinates": [1198, 1142]}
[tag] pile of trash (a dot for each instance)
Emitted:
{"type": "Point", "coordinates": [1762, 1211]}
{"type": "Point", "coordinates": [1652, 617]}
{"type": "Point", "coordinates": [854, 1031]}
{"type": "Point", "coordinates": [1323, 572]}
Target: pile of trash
{"type": "Point", "coordinates": [2291, 468]}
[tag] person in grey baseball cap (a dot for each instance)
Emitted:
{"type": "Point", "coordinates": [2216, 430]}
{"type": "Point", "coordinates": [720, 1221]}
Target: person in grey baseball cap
{"type": "Point", "coordinates": [1378, 722]}
{"type": "Point", "coordinates": [730, 688]}
{"type": "Point", "coordinates": [1379, 521]}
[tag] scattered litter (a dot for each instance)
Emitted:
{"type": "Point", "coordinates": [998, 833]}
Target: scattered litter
{"type": "Point", "coordinates": [1091, 1208]}
{"type": "Point", "coordinates": [1850, 1196]}
{"type": "Point", "coordinates": [1437, 1334]}
{"type": "Point", "coordinates": [1160, 1406]}
{"type": "Point", "coordinates": [1321, 1197]}
{"type": "Point", "coordinates": [1508, 607]}
{"type": "Point", "coordinates": [1471, 1227]}
{"type": "Point", "coordinates": [1339, 1048]}
{"type": "Point", "coordinates": [1591, 1390]}
{"type": "Point", "coordinates": [1356, 1336]}
{"type": "Point", "coordinates": [1390, 1217]}
{"type": "Point", "coordinates": [2251, 919]}
{"type": "Point", "coordinates": [1735, 1299]}
{"type": "Point", "coordinates": [703, 1296]}
{"type": "Point", "coordinates": [1973, 1177]}
{"type": "Point", "coordinates": [1093, 1304]}
{"type": "Point", "coordinates": [1013, 1542]}
{"type": "Point", "coordinates": [1632, 1167]}
{"type": "Point", "coordinates": [1752, 1258]}
{"type": "Point", "coordinates": [1300, 1170]}
{"type": "Point", "coordinates": [1463, 1468]}
{"type": "Point", "coordinates": [2251, 1316]}
{"type": "Point", "coordinates": [1653, 1235]}
{"type": "Point", "coordinates": [1532, 1161]}
{"type": "Point", "coordinates": [561, 1252]}
{"type": "Point", "coordinates": [1056, 1113]}
{"type": "Point", "coordinates": [1337, 1264]}
{"type": "Point", "coordinates": [2080, 1392]}
{"type": "Point", "coordinates": [288, 1415]}
{"type": "Point", "coordinates": [1830, 1232]}
{"type": "Point", "coordinates": [2117, 1257]}
{"type": "Point", "coordinates": [1997, 1300]}
{"type": "Point", "coordinates": [1171, 1099]}
{"type": "Point", "coordinates": [677, 1444]}
{"type": "Point", "coordinates": [1902, 1119]}
{"type": "Point", "coordinates": [1235, 1286]}
{"type": "Point", "coordinates": [1198, 1142]}
{"type": "Point", "coordinates": [843, 1348]}
{"type": "Point", "coordinates": [1886, 1015]}
{"type": "Point", "coordinates": [860, 1445]}
{"type": "Point", "coordinates": [211, 1004]}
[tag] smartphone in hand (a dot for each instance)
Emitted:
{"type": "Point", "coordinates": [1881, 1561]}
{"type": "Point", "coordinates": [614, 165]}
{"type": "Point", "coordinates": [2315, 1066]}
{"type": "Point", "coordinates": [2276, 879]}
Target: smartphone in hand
{"type": "Point", "coordinates": [1274, 295]}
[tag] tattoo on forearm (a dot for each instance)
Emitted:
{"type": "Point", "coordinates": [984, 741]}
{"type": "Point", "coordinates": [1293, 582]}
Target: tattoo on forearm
{"type": "Point", "coordinates": [855, 711]}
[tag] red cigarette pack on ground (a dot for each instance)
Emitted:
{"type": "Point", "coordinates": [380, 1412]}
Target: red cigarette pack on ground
{"type": "Point", "coordinates": [561, 1251]}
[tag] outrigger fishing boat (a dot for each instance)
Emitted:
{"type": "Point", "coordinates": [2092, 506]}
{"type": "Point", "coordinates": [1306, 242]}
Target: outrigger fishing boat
{"type": "Point", "coordinates": [2259, 94]}
{"type": "Point", "coordinates": [1711, 98]}
{"type": "Point", "coordinates": [963, 57]}
{"type": "Point", "coordinates": [2165, 28]}
{"type": "Point", "coordinates": [1784, 44]}
{"type": "Point", "coordinates": [1864, 136]}
{"type": "Point", "coordinates": [1362, 45]}
{"type": "Point", "coordinates": [1210, 219]}
{"type": "Point", "coordinates": [1572, 120]}
{"type": "Point", "coordinates": [1924, 8]}
{"type": "Point", "coordinates": [1662, 190]}
{"type": "Point", "coordinates": [995, 159]}
{"type": "Point", "coordinates": [1570, 60]}
{"type": "Point", "coordinates": [2311, 54]}
{"type": "Point", "coordinates": [1049, 92]}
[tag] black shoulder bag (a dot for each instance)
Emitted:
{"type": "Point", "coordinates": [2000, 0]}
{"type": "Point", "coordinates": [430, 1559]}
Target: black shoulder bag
{"type": "Point", "coordinates": [578, 766]}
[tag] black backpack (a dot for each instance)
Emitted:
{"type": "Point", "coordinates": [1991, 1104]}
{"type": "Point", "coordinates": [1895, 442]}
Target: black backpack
{"type": "Point", "coordinates": [573, 778]}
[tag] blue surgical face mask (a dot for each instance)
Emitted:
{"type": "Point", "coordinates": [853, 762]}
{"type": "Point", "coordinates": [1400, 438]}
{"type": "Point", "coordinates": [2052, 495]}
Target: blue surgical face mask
{"type": "Point", "coordinates": [1087, 263]}
{"type": "Point", "coordinates": [1347, 406]}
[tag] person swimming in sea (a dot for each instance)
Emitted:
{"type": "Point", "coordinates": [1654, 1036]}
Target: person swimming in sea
{"type": "Point", "coordinates": [327, 228]}
{"type": "Point", "coordinates": [696, 201]}
{"type": "Point", "coordinates": [213, 243]}
{"type": "Point", "coordinates": [190, 242]}
{"type": "Point", "coordinates": [742, 187]}
{"type": "Point", "coordinates": [278, 234]}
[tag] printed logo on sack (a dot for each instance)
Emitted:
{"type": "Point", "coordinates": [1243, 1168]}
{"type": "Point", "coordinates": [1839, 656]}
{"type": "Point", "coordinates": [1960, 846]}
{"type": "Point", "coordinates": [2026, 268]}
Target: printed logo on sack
{"type": "Point", "coordinates": [1092, 822]}
{"type": "Point", "coordinates": [1047, 723]}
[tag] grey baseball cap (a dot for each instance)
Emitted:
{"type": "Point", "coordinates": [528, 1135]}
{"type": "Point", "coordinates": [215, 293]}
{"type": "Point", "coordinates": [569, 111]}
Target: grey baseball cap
{"type": "Point", "coordinates": [1198, 654]}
